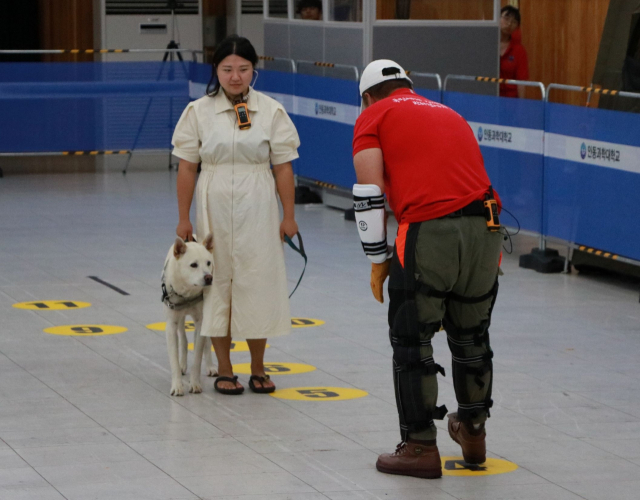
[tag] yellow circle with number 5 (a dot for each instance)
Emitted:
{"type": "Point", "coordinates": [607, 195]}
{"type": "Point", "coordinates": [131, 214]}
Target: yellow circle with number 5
{"type": "Point", "coordinates": [319, 393]}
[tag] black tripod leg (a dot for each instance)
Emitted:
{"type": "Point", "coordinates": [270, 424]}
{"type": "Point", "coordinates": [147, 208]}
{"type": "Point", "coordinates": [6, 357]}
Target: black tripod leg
{"type": "Point", "coordinates": [126, 165]}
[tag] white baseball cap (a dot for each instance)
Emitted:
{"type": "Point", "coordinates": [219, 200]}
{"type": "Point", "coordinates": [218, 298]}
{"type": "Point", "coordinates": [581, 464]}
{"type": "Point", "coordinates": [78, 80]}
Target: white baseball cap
{"type": "Point", "coordinates": [380, 71]}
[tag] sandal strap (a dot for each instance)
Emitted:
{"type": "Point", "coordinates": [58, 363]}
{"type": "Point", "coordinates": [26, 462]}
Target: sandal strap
{"type": "Point", "coordinates": [225, 379]}
{"type": "Point", "coordinates": [260, 378]}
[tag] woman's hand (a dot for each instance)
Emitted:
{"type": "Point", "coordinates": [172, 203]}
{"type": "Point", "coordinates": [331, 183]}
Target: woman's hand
{"type": "Point", "coordinates": [288, 227]}
{"type": "Point", "coordinates": [185, 230]}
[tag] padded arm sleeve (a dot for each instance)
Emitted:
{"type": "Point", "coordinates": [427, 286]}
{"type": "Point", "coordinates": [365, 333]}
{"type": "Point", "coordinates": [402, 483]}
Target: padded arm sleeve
{"type": "Point", "coordinates": [368, 204]}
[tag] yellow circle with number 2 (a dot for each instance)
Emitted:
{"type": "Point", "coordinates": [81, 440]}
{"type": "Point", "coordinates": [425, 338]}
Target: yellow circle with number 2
{"type": "Point", "coordinates": [319, 393]}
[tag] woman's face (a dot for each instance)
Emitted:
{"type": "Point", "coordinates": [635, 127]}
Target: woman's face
{"type": "Point", "coordinates": [508, 23]}
{"type": "Point", "coordinates": [235, 74]}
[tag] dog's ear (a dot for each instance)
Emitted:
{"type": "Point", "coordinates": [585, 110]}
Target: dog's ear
{"type": "Point", "coordinates": [208, 242]}
{"type": "Point", "coordinates": [179, 248]}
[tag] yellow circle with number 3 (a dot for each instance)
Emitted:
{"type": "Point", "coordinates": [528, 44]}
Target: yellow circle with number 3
{"type": "Point", "coordinates": [275, 368]}
{"type": "Point", "coordinates": [456, 466]}
{"type": "Point", "coordinates": [319, 393]}
{"type": "Point", "coordinates": [85, 330]}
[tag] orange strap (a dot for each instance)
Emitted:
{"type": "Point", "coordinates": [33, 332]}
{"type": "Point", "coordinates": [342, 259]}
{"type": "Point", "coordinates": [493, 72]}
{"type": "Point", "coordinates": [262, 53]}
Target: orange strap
{"type": "Point", "coordinates": [401, 240]}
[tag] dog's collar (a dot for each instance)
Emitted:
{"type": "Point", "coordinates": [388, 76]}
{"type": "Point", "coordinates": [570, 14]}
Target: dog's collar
{"type": "Point", "coordinates": [182, 303]}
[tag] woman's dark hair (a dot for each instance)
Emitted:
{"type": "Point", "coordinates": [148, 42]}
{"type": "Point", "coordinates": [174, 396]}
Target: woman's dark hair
{"type": "Point", "coordinates": [309, 4]}
{"type": "Point", "coordinates": [510, 10]}
{"type": "Point", "coordinates": [232, 45]}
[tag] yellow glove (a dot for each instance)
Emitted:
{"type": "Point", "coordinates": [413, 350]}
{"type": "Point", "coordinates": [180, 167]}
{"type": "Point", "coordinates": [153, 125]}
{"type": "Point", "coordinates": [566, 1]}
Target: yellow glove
{"type": "Point", "coordinates": [379, 273]}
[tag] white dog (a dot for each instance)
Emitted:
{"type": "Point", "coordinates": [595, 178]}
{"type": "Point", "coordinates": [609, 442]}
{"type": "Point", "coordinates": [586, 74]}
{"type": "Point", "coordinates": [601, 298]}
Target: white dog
{"type": "Point", "coordinates": [188, 269]}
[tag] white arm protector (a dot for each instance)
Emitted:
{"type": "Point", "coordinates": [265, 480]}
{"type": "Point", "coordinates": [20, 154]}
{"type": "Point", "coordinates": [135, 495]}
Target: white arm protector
{"type": "Point", "coordinates": [368, 204]}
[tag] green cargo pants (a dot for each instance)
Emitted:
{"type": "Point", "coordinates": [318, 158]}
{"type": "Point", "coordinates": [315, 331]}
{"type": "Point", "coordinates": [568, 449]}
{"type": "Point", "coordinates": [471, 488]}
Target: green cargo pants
{"type": "Point", "coordinates": [449, 278]}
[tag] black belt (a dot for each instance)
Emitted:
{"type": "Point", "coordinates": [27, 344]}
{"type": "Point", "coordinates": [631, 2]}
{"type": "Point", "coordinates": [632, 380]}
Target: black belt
{"type": "Point", "coordinates": [474, 208]}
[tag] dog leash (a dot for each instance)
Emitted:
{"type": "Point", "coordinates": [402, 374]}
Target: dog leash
{"type": "Point", "coordinates": [300, 250]}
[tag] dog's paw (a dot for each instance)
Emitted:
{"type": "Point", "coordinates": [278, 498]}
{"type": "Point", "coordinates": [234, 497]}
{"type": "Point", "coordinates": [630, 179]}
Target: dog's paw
{"type": "Point", "coordinates": [177, 389]}
{"type": "Point", "coordinates": [195, 388]}
{"type": "Point", "coordinates": [212, 372]}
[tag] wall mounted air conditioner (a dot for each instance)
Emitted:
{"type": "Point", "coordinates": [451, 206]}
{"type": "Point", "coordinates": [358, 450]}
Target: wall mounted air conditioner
{"type": "Point", "coordinates": [148, 24]}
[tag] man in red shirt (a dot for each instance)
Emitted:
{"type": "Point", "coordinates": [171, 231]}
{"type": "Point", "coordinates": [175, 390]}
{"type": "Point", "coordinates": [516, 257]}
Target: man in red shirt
{"type": "Point", "coordinates": [514, 64]}
{"type": "Point", "coordinates": [444, 267]}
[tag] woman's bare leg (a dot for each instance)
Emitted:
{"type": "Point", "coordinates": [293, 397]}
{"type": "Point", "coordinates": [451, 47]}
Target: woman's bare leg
{"type": "Point", "coordinates": [257, 348]}
{"type": "Point", "coordinates": [222, 348]}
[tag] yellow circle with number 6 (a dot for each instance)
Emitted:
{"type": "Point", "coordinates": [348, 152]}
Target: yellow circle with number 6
{"type": "Point", "coordinates": [319, 393]}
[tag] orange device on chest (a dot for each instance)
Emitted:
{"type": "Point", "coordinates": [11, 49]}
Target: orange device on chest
{"type": "Point", "coordinates": [242, 113]}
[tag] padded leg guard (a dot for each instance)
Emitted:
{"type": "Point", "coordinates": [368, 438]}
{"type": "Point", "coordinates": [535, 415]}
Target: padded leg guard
{"type": "Point", "coordinates": [472, 370]}
{"type": "Point", "coordinates": [414, 376]}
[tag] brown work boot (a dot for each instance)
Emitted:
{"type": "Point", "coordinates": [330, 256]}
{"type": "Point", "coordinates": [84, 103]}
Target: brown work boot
{"type": "Point", "coordinates": [412, 459]}
{"type": "Point", "coordinates": [472, 441]}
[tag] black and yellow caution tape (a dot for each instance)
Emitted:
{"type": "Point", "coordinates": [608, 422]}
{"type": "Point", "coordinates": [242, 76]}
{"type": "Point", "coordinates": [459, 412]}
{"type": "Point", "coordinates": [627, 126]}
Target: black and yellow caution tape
{"type": "Point", "coordinates": [600, 91]}
{"type": "Point", "coordinates": [325, 185]}
{"type": "Point", "coordinates": [95, 153]}
{"type": "Point", "coordinates": [92, 51]}
{"type": "Point", "coordinates": [599, 253]}
{"type": "Point", "coordinates": [266, 58]}
{"type": "Point", "coordinates": [490, 79]}
{"type": "Point", "coordinates": [324, 64]}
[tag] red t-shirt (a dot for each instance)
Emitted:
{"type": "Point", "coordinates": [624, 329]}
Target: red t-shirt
{"type": "Point", "coordinates": [514, 65]}
{"type": "Point", "coordinates": [432, 161]}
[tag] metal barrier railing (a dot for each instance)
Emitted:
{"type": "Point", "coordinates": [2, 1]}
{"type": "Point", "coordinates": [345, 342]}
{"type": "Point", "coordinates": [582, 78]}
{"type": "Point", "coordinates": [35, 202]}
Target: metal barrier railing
{"type": "Point", "coordinates": [436, 76]}
{"type": "Point", "coordinates": [283, 59]}
{"type": "Point", "coordinates": [489, 79]}
{"type": "Point", "coordinates": [103, 51]}
{"type": "Point", "coordinates": [330, 65]}
{"type": "Point", "coordinates": [589, 90]}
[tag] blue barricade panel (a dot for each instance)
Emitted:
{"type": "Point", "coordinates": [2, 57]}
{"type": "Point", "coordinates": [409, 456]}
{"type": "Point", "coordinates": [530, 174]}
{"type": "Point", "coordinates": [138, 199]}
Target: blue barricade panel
{"type": "Point", "coordinates": [592, 178]}
{"type": "Point", "coordinates": [326, 111]}
{"type": "Point", "coordinates": [56, 107]}
{"type": "Point", "coordinates": [432, 95]}
{"type": "Point", "coordinates": [510, 134]}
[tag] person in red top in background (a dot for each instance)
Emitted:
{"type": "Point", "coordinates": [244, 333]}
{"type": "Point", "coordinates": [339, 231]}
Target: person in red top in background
{"type": "Point", "coordinates": [514, 64]}
{"type": "Point", "coordinates": [444, 268]}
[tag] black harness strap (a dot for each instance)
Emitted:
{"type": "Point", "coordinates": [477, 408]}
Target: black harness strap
{"type": "Point", "coordinates": [432, 292]}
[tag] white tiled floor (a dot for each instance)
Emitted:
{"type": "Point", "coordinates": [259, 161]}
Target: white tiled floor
{"type": "Point", "coordinates": [91, 417]}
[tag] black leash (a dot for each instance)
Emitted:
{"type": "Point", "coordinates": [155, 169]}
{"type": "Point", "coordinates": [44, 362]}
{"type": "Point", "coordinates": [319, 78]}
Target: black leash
{"type": "Point", "coordinates": [300, 250]}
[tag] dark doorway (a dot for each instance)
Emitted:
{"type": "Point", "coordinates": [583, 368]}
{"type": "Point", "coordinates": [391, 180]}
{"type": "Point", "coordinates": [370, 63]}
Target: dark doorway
{"type": "Point", "coordinates": [19, 29]}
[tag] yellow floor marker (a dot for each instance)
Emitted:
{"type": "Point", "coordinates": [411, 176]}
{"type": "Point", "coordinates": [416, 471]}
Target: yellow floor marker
{"type": "Point", "coordinates": [456, 466]}
{"type": "Point", "coordinates": [305, 322]}
{"type": "Point", "coordinates": [189, 326]}
{"type": "Point", "coordinates": [52, 305]}
{"type": "Point", "coordinates": [276, 368]}
{"type": "Point", "coordinates": [319, 393]}
{"type": "Point", "coordinates": [85, 330]}
{"type": "Point", "coordinates": [236, 346]}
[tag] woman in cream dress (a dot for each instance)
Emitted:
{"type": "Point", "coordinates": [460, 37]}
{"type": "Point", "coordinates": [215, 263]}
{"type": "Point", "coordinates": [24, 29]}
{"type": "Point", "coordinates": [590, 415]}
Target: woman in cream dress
{"type": "Point", "coordinates": [236, 201]}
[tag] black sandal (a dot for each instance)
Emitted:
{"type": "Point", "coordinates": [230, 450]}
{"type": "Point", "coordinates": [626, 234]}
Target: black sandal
{"type": "Point", "coordinates": [230, 392]}
{"type": "Point", "coordinates": [262, 389]}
